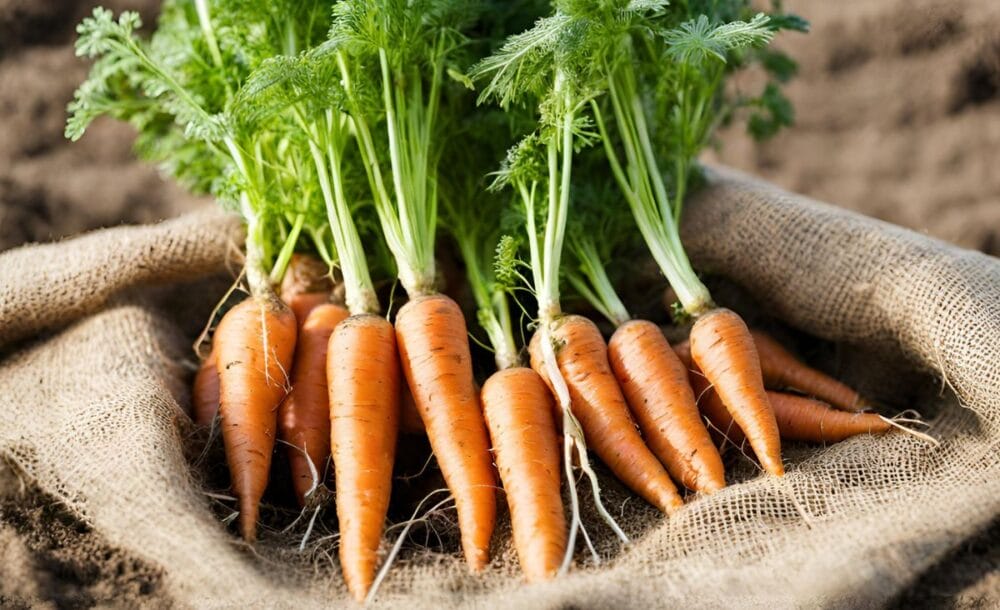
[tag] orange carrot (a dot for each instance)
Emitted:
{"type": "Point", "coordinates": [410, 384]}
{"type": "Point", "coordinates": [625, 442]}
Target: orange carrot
{"type": "Point", "coordinates": [723, 349]}
{"type": "Point", "coordinates": [782, 370]}
{"type": "Point", "coordinates": [722, 427]}
{"type": "Point", "coordinates": [434, 351]}
{"type": "Point", "coordinates": [804, 419]}
{"type": "Point", "coordinates": [364, 387]}
{"type": "Point", "coordinates": [655, 384]}
{"type": "Point", "coordinates": [518, 410]}
{"type": "Point", "coordinates": [254, 345]}
{"type": "Point", "coordinates": [205, 391]}
{"type": "Point", "coordinates": [597, 402]}
{"type": "Point", "coordinates": [304, 415]}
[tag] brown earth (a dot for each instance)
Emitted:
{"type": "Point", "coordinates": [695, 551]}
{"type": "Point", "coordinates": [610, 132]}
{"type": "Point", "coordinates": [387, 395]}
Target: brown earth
{"type": "Point", "coordinates": [898, 117]}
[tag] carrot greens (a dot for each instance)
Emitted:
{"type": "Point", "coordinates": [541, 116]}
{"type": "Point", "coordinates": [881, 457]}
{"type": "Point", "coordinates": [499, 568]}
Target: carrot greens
{"type": "Point", "coordinates": [179, 89]}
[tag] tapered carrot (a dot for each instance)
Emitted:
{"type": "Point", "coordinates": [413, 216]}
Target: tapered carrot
{"type": "Point", "coordinates": [723, 349]}
{"type": "Point", "coordinates": [804, 419]}
{"type": "Point", "coordinates": [782, 370]}
{"type": "Point", "coordinates": [205, 391]}
{"type": "Point", "coordinates": [254, 345]}
{"type": "Point", "coordinates": [434, 352]}
{"type": "Point", "coordinates": [304, 415]}
{"type": "Point", "coordinates": [518, 409]}
{"type": "Point", "coordinates": [655, 384]}
{"type": "Point", "coordinates": [364, 384]}
{"type": "Point", "coordinates": [597, 402]}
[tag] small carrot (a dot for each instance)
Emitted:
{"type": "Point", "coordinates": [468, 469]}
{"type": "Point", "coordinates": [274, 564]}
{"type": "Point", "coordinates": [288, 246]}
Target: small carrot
{"type": "Point", "coordinates": [655, 383]}
{"type": "Point", "coordinates": [798, 418]}
{"type": "Point", "coordinates": [364, 388]}
{"type": "Point", "coordinates": [597, 402]}
{"type": "Point", "coordinates": [804, 419]}
{"type": "Point", "coordinates": [304, 415]}
{"type": "Point", "coordinates": [782, 370]}
{"type": "Point", "coordinates": [723, 349]}
{"type": "Point", "coordinates": [254, 345]}
{"type": "Point", "coordinates": [518, 409]}
{"type": "Point", "coordinates": [205, 391]}
{"type": "Point", "coordinates": [434, 351]}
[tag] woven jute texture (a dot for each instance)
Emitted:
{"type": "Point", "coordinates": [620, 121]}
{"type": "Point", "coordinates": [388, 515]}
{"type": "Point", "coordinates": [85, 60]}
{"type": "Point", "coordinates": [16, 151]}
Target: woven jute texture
{"type": "Point", "coordinates": [94, 395]}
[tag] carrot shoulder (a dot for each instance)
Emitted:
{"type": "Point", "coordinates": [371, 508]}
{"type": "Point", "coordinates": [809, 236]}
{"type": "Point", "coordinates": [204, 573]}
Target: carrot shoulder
{"type": "Point", "coordinates": [304, 415]}
{"type": "Point", "coordinates": [597, 402]}
{"type": "Point", "coordinates": [655, 384]}
{"type": "Point", "coordinates": [518, 409]}
{"type": "Point", "coordinates": [723, 349]}
{"type": "Point", "coordinates": [434, 352]}
{"type": "Point", "coordinates": [364, 386]}
{"type": "Point", "coordinates": [254, 345]}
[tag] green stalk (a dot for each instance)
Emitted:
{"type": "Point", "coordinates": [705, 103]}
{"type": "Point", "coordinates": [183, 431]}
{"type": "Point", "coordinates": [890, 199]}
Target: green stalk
{"type": "Point", "coordinates": [593, 283]}
{"type": "Point", "coordinates": [326, 145]}
{"type": "Point", "coordinates": [642, 184]}
{"type": "Point", "coordinates": [287, 249]}
{"type": "Point", "coordinates": [201, 6]}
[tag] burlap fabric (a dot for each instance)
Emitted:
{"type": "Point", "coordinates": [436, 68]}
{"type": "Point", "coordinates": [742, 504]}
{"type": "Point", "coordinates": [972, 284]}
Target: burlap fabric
{"type": "Point", "coordinates": [94, 397]}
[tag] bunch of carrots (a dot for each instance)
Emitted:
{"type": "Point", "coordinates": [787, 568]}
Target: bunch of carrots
{"type": "Point", "coordinates": [348, 137]}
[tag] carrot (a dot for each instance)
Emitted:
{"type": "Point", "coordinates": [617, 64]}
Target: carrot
{"type": "Point", "coordinates": [254, 345]}
{"type": "Point", "coordinates": [518, 410]}
{"type": "Point", "coordinates": [804, 419]}
{"type": "Point", "coordinates": [655, 384]}
{"type": "Point", "coordinates": [782, 370]}
{"type": "Point", "coordinates": [798, 418]}
{"type": "Point", "coordinates": [306, 284]}
{"type": "Point", "coordinates": [205, 391]}
{"type": "Point", "coordinates": [434, 351]}
{"type": "Point", "coordinates": [409, 417]}
{"type": "Point", "coordinates": [723, 349]}
{"type": "Point", "coordinates": [304, 415]}
{"type": "Point", "coordinates": [597, 402]}
{"type": "Point", "coordinates": [722, 428]}
{"type": "Point", "coordinates": [364, 382]}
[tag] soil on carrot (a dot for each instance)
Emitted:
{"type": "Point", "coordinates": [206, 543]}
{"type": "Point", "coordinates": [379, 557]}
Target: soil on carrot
{"type": "Point", "coordinates": [898, 107]}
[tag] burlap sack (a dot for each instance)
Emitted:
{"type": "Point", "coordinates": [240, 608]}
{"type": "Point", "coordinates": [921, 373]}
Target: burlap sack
{"type": "Point", "coordinates": [93, 416]}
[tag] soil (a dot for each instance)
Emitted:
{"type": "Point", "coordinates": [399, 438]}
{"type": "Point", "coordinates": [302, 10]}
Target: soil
{"type": "Point", "coordinates": [898, 117]}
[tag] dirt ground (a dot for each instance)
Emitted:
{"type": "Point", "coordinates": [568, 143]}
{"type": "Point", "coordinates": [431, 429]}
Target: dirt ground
{"type": "Point", "coordinates": [898, 117]}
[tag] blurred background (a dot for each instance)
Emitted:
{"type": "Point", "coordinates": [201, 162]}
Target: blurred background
{"type": "Point", "coordinates": [897, 116]}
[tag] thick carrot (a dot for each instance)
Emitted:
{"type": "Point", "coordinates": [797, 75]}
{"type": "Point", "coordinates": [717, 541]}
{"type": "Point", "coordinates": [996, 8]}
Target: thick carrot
{"type": "Point", "coordinates": [304, 415]}
{"type": "Point", "coordinates": [723, 349]}
{"type": "Point", "coordinates": [782, 370]}
{"type": "Point", "coordinates": [518, 409]}
{"type": "Point", "coordinates": [363, 371]}
{"type": "Point", "coordinates": [597, 402]}
{"type": "Point", "coordinates": [205, 391]}
{"type": "Point", "coordinates": [804, 419]}
{"type": "Point", "coordinates": [655, 384]}
{"type": "Point", "coordinates": [434, 351]}
{"type": "Point", "coordinates": [254, 345]}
